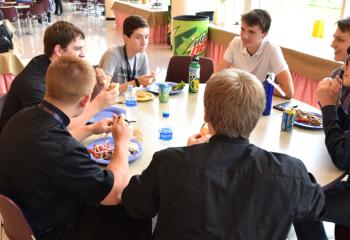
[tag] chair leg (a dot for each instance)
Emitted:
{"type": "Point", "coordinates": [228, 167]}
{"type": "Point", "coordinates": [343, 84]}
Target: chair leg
{"type": "Point", "coordinates": [19, 27]}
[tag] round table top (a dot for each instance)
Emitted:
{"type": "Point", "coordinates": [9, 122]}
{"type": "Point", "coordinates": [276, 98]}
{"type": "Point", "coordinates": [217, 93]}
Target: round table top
{"type": "Point", "coordinates": [187, 116]}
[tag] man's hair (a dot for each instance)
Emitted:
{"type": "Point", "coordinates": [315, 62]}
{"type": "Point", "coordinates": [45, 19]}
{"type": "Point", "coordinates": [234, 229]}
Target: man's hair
{"type": "Point", "coordinates": [132, 23]}
{"type": "Point", "coordinates": [234, 101]}
{"type": "Point", "coordinates": [69, 78]}
{"type": "Point", "coordinates": [60, 33]}
{"type": "Point", "coordinates": [344, 24]}
{"type": "Point", "coordinates": [258, 17]}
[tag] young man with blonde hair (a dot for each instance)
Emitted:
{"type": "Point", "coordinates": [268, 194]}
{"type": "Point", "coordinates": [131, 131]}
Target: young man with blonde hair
{"type": "Point", "coordinates": [253, 52]}
{"type": "Point", "coordinates": [226, 188]}
{"type": "Point", "coordinates": [62, 192]}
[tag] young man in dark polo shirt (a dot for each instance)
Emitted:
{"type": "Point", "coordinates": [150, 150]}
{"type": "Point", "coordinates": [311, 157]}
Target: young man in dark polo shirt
{"type": "Point", "coordinates": [50, 175]}
{"type": "Point", "coordinates": [28, 88]}
{"type": "Point", "coordinates": [225, 188]}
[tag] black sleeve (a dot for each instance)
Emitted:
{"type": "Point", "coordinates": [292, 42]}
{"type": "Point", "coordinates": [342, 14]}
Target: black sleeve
{"type": "Point", "coordinates": [311, 199]}
{"type": "Point", "coordinates": [141, 197]}
{"type": "Point", "coordinates": [337, 139]}
{"type": "Point", "coordinates": [77, 173]}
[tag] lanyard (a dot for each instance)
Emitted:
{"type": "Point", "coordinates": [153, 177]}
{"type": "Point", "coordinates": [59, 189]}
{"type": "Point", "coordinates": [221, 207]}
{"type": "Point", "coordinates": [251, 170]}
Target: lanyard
{"type": "Point", "coordinates": [128, 67]}
{"type": "Point", "coordinates": [56, 116]}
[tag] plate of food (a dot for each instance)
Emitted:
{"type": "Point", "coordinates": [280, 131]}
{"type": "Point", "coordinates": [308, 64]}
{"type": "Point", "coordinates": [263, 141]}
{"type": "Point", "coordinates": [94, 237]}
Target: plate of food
{"type": "Point", "coordinates": [106, 113]}
{"type": "Point", "coordinates": [143, 96]}
{"type": "Point", "coordinates": [308, 119]}
{"type": "Point", "coordinates": [175, 88]}
{"type": "Point", "coordinates": [101, 150]}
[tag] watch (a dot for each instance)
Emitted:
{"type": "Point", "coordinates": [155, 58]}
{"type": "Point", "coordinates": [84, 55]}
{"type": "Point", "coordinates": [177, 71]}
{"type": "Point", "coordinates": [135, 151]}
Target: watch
{"type": "Point", "coordinates": [137, 82]}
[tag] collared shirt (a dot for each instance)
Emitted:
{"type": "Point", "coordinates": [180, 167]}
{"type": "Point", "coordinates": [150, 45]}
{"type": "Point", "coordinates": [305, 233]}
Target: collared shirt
{"type": "Point", "coordinates": [268, 58]}
{"type": "Point", "coordinates": [224, 189]}
{"type": "Point", "coordinates": [46, 171]}
{"type": "Point", "coordinates": [27, 89]}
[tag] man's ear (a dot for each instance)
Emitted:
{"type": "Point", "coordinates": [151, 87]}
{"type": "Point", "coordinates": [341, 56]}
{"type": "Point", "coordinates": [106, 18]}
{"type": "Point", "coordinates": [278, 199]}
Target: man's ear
{"type": "Point", "coordinates": [84, 101]}
{"type": "Point", "coordinates": [126, 38]}
{"type": "Point", "coordinates": [57, 50]}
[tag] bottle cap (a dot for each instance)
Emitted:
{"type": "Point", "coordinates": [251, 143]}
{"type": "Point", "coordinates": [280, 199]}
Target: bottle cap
{"type": "Point", "coordinates": [166, 114]}
{"type": "Point", "coordinates": [195, 58]}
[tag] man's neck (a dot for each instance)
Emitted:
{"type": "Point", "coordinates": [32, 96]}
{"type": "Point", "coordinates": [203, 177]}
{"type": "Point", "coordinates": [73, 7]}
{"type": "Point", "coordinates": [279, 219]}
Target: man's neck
{"type": "Point", "coordinates": [130, 54]}
{"type": "Point", "coordinates": [70, 111]}
{"type": "Point", "coordinates": [253, 50]}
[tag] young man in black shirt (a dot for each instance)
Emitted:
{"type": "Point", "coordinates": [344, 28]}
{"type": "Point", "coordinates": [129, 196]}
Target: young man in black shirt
{"type": "Point", "coordinates": [28, 88]}
{"type": "Point", "coordinates": [49, 174]}
{"type": "Point", "coordinates": [226, 188]}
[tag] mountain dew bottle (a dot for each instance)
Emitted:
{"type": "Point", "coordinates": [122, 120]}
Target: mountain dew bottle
{"type": "Point", "coordinates": [194, 75]}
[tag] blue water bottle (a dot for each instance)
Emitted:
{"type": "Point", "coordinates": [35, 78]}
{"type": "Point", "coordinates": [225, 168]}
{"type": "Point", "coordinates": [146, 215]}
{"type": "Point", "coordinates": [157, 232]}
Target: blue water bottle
{"type": "Point", "coordinates": [131, 103]}
{"type": "Point", "coordinates": [268, 93]}
{"type": "Point", "coordinates": [165, 131]}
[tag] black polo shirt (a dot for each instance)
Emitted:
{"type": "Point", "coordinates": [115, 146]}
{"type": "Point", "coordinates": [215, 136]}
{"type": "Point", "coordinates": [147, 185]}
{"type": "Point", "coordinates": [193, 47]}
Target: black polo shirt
{"type": "Point", "coordinates": [46, 171]}
{"type": "Point", "coordinates": [27, 89]}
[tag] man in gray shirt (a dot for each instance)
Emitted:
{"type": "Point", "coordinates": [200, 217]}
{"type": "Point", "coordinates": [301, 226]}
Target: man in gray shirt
{"type": "Point", "coordinates": [128, 64]}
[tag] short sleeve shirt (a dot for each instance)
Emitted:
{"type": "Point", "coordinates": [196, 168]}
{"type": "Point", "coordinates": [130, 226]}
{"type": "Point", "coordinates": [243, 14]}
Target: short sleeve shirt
{"type": "Point", "coordinates": [268, 58]}
{"type": "Point", "coordinates": [114, 64]}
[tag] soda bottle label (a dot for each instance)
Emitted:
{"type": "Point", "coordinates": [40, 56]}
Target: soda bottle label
{"type": "Point", "coordinates": [130, 102]}
{"type": "Point", "coordinates": [193, 79]}
{"type": "Point", "coordinates": [165, 134]}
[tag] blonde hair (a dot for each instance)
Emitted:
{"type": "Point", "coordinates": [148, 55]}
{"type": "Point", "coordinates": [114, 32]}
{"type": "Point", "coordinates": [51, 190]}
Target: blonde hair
{"type": "Point", "coordinates": [234, 101]}
{"type": "Point", "coordinates": [69, 78]}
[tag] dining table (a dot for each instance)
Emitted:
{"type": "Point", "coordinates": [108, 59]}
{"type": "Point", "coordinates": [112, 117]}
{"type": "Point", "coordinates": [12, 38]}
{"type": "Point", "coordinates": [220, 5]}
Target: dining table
{"type": "Point", "coordinates": [187, 116]}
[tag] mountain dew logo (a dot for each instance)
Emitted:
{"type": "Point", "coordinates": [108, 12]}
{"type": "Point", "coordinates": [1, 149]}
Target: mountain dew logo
{"type": "Point", "coordinates": [198, 45]}
{"type": "Point", "coordinates": [191, 42]}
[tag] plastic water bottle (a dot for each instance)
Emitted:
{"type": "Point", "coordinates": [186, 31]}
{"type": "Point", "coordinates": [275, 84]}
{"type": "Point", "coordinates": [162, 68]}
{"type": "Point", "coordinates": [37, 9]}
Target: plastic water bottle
{"type": "Point", "coordinates": [194, 75]}
{"type": "Point", "coordinates": [165, 131]}
{"type": "Point", "coordinates": [131, 103]}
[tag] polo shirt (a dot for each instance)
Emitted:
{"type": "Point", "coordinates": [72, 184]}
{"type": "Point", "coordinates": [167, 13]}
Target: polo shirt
{"type": "Point", "coordinates": [268, 58]}
{"type": "Point", "coordinates": [27, 89]}
{"type": "Point", "coordinates": [46, 171]}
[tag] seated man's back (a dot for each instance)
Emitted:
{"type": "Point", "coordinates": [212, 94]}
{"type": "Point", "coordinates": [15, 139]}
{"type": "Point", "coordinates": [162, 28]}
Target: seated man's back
{"type": "Point", "coordinates": [27, 89]}
{"type": "Point", "coordinates": [226, 188]}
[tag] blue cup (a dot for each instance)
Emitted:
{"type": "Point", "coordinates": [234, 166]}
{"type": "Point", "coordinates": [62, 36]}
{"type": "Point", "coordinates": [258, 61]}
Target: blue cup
{"type": "Point", "coordinates": [268, 93]}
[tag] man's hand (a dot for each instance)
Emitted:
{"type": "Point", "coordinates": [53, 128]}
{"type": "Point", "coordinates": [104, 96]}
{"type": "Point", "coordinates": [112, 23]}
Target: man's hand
{"type": "Point", "coordinates": [103, 126]}
{"type": "Point", "coordinates": [106, 98]}
{"type": "Point", "coordinates": [328, 91]}
{"type": "Point", "coordinates": [198, 138]}
{"type": "Point", "coordinates": [101, 82]}
{"type": "Point", "coordinates": [120, 130]}
{"type": "Point", "coordinates": [146, 80]}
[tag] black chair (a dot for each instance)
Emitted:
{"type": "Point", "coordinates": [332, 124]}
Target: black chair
{"type": "Point", "coordinates": [2, 102]}
{"type": "Point", "coordinates": [178, 69]}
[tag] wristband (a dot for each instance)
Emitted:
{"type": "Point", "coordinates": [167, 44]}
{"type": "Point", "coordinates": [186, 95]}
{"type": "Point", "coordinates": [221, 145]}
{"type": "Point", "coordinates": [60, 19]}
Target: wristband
{"type": "Point", "coordinates": [137, 82]}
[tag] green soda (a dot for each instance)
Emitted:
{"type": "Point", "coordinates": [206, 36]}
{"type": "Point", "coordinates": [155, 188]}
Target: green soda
{"type": "Point", "coordinates": [194, 75]}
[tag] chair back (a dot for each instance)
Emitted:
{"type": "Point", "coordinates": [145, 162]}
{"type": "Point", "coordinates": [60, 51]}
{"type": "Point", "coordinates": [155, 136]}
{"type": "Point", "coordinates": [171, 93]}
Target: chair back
{"type": "Point", "coordinates": [178, 69]}
{"type": "Point", "coordinates": [2, 102]}
{"type": "Point", "coordinates": [10, 13]}
{"type": "Point", "coordinates": [15, 225]}
{"type": "Point", "coordinates": [341, 232]}
{"type": "Point", "coordinates": [37, 10]}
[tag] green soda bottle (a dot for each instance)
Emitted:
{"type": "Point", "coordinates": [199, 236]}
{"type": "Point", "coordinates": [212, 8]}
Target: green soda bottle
{"type": "Point", "coordinates": [193, 75]}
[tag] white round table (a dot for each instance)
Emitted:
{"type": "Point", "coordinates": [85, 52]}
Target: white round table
{"type": "Point", "coordinates": [186, 114]}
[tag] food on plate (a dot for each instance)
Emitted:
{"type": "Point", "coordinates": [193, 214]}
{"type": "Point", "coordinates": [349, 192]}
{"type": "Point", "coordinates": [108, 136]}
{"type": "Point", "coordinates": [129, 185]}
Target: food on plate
{"type": "Point", "coordinates": [178, 86]}
{"type": "Point", "coordinates": [307, 117]}
{"type": "Point", "coordinates": [105, 150]}
{"type": "Point", "coordinates": [143, 96]}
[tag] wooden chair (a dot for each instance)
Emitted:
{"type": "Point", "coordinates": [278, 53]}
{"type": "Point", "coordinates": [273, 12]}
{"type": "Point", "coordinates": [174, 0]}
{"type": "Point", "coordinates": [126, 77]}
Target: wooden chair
{"type": "Point", "coordinates": [178, 69]}
{"type": "Point", "coordinates": [15, 225]}
{"type": "Point", "coordinates": [341, 232]}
